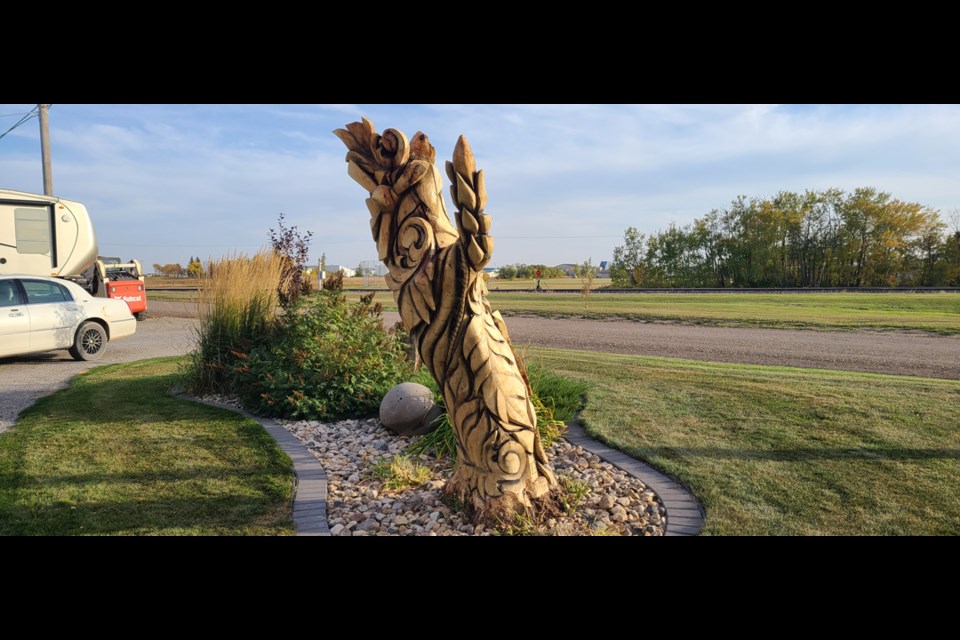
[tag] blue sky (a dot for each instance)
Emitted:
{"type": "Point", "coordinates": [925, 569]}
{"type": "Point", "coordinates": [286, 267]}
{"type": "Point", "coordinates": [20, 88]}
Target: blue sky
{"type": "Point", "coordinates": [164, 182]}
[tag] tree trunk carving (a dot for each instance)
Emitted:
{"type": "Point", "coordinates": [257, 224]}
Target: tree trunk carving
{"type": "Point", "coordinates": [435, 274]}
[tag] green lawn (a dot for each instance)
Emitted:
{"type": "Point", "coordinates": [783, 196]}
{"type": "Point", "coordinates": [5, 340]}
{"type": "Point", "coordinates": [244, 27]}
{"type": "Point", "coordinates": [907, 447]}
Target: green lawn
{"type": "Point", "coordinates": [933, 312]}
{"type": "Point", "coordinates": [495, 284]}
{"type": "Point", "coordinates": [780, 451]}
{"type": "Point", "coordinates": [114, 454]}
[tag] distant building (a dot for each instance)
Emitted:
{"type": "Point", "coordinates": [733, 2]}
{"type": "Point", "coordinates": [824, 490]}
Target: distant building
{"type": "Point", "coordinates": [491, 271]}
{"type": "Point", "coordinates": [346, 271]}
{"type": "Point", "coordinates": [568, 267]}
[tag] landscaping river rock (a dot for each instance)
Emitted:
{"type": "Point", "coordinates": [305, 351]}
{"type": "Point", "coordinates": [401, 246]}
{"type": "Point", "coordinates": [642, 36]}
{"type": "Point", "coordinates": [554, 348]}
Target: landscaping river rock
{"type": "Point", "coordinates": [601, 499]}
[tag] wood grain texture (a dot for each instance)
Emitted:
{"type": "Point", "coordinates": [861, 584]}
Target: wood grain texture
{"type": "Point", "coordinates": [435, 275]}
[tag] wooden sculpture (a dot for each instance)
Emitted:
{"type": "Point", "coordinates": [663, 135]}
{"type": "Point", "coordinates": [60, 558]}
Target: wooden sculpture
{"type": "Point", "coordinates": [435, 274]}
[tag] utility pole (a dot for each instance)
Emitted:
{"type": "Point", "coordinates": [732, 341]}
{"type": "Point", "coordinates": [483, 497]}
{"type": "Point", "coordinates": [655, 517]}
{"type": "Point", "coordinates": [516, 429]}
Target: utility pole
{"type": "Point", "coordinates": [45, 150]}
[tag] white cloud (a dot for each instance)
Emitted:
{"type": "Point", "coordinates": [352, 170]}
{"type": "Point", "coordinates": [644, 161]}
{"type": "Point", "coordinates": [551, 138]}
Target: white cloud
{"type": "Point", "coordinates": [167, 181]}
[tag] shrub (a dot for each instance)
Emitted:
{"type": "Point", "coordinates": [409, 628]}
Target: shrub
{"type": "Point", "coordinates": [294, 247]}
{"type": "Point", "coordinates": [237, 303]}
{"type": "Point", "coordinates": [325, 360]}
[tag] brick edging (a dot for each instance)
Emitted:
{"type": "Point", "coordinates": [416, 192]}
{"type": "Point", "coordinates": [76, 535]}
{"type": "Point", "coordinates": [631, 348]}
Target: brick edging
{"type": "Point", "coordinates": [310, 491]}
{"type": "Point", "coordinates": [684, 513]}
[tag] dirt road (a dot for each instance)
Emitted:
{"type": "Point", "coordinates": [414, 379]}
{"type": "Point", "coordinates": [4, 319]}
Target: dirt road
{"type": "Point", "coordinates": [894, 352]}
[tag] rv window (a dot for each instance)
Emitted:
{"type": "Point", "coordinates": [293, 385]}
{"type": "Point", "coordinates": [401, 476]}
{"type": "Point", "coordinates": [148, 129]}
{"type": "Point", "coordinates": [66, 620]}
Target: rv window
{"type": "Point", "coordinates": [32, 229]}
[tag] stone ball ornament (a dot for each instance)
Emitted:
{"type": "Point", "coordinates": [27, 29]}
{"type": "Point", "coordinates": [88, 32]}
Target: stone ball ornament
{"type": "Point", "coordinates": [409, 409]}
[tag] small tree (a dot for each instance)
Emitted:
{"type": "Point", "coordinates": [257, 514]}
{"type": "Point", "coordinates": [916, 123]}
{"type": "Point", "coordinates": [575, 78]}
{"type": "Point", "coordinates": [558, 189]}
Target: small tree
{"type": "Point", "coordinates": [360, 271]}
{"type": "Point", "coordinates": [294, 247]}
{"type": "Point", "coordinates": [586, 271]}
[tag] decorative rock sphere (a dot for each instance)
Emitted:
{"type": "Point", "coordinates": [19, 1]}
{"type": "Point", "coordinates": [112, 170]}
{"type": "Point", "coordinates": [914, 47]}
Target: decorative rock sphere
{"type": "Point", "coordinates": [409, 410]}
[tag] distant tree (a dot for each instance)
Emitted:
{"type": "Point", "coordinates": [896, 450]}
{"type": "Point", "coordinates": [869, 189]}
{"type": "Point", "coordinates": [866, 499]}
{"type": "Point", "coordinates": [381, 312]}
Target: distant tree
{"type": "Point", "coordinates": [194, 267]}
{"type": "Point", "coordinates": [507, 272]}
{"type": "Point", "coordinates": [360, 271]}
{"type": "Point", "coordinates": [950, 252]}
{"type": "Point", "coordinates": [158, 268]}
{"type": "Point", "coordinates": [173, 270]}
{"type": "Point", "coordinates": [294, 246]}
{"type": "Point", "coordinates": [627, 266]}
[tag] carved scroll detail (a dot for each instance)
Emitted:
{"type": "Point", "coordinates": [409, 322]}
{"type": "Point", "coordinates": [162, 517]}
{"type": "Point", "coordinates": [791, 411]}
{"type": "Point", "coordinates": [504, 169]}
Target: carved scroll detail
{"type": "Point", "coordinates": [435, 274]}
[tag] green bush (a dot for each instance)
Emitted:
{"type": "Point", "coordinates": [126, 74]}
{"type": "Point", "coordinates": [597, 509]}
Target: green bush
{"type": "Point", "coordinates": [324, 360]}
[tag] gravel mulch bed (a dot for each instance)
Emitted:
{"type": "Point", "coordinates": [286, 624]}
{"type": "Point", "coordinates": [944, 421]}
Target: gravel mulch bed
{"type": "Point", "coordinates": [358, 504]}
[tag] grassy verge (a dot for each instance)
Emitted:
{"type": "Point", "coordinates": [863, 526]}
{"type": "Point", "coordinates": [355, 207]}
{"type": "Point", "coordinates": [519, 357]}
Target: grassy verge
{"type": "Point", "coordinates": [933, 312]}
{"type": "Point", "coordinates": [113, 454]}
{"type": "Point", "coordinates": [780, 451]}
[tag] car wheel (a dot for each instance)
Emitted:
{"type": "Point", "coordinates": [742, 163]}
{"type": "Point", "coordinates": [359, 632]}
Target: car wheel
{"type": "Point", "coordinates": [90, 342]}
{"type": "Point", "coordinates": [140, 316]}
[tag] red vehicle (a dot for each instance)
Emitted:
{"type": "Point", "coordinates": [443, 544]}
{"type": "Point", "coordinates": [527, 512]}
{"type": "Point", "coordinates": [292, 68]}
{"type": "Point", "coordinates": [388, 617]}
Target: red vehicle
{"type": "Point", "coordinates": [109, 278]}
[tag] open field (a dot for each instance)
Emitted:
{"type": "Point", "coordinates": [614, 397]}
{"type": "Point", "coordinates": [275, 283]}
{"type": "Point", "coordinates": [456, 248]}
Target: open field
{"type": "Point", "coordinates": [115, 454]}
{"type": "Point", "coordinates": [935, 312]}
{"type": "Point", "coordinates": [495, 284]}
{"type": "Point", "coordinates": [779, 451]}
{"type": "Point", "coordinates": [378, 283]}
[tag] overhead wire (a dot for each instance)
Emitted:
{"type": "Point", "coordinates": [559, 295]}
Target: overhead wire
{"type": "Point", "coordinates": [26, 117]}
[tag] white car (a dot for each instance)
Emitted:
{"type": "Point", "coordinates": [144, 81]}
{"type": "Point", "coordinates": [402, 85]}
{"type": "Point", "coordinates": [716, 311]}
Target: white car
{"type": "Point", "coordinates": [38, 313]}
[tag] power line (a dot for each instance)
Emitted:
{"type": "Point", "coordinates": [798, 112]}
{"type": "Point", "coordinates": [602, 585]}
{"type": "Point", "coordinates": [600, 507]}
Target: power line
{"type": "Point", "coordinates": [30, 114]}
{"type": "Point", "coordinates": [10, 115]}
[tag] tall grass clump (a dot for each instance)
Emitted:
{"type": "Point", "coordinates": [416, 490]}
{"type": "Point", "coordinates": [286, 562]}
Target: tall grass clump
{"type": "Point", "coordinates": [237, 304]}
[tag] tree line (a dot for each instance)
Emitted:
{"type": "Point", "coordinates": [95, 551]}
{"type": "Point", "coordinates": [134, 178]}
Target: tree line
{"type": "Point", "coordinates": [529, 271]}
{"type": "Point", "coordinates": [176, 270]}
{"type": "Point", "coordinates": [829, 238]}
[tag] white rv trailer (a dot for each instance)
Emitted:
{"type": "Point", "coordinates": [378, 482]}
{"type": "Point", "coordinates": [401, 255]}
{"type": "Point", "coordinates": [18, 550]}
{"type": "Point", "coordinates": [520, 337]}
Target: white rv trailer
{"type": "Point", "coordinates": [44, 235]}
{"type": "Point", "coordinates": [49, 236]}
